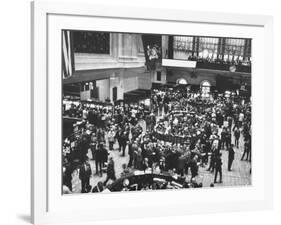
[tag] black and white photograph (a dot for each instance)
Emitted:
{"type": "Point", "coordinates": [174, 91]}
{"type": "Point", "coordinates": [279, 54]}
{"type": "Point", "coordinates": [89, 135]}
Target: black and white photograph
{"type": "Point", "coordinates": [148, 112]}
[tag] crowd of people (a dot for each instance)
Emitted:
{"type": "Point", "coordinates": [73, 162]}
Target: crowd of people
{"type": "Point", "coordinates": [230, 61]}
{"type": "Point", "coordinates": [178, 133]}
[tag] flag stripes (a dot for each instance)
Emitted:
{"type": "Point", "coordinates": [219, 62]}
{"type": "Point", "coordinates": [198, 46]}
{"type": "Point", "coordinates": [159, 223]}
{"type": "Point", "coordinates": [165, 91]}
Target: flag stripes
{"type": "Point", "coordinates": [67, 55]}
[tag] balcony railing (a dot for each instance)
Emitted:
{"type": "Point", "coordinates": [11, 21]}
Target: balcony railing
{"type": "Point", "coordinates": [224, 66]}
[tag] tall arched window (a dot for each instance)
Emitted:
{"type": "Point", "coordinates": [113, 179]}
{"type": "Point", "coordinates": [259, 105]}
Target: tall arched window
{"type": "Point", "coordinates": [205, 88]}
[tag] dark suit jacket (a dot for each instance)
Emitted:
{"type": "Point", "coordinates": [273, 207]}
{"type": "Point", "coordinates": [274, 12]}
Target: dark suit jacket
{"type": "Point", "coordinates": [231, 154]}
{"type": "Point", "coordinates": [85, 171]}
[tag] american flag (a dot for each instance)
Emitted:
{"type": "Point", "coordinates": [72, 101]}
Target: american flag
{"type": "Point", "coordinates": [67, 55]}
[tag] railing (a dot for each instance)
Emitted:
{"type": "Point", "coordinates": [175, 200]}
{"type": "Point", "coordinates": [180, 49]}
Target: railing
{"type": "Point", "coordinates": [217, 66]}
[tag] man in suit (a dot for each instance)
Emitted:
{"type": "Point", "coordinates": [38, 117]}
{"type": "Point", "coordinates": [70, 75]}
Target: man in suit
{"type": "Point", "coordinates": [99, 160]}
{"type": "Point", "coordinates": [228, 138]}
{"type": "Point", "coordinates": [111, 139]}
{"type": "Point", "coordinates": [218, 168]}
{"type": "Point", "coordinates": [104, 154]}
{"type": "Point", "coordinates": [246, 149]}
{"type": "Point", "coordinates": [123, 141]}
{"type": "Point", "coordinates": [131, 148]}
{"type": "Point", "coordinates": [110, 173]}
{"type": "Point", "coordinates": [212, 162]}
{"type": "Point", "coordinates": [67, 178]}
{"type": "Point", "coordinates": [237, 136]}
{"type": "Point", "coordinates": [231, 154]}
{"type": "Point", "coordinates": [194, 167]}
{"type": "Point", "coordinates": [84, 176]}
{"type": "Point", "coordinates": [223, 138]}
{"type": "Point", "coordinates": [118, 137]}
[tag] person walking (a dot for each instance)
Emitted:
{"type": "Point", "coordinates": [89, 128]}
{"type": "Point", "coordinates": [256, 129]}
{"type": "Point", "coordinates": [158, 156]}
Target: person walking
{"type": "Point", "coordinates": [246, 150]}
{"type": "Point", "coordinates": [237, 137]}
{"type": "Point", "coordinates": [98, 161]}
{"type": "Point", "coordinates": [124, 140]}
{"type": "Point", "coordinates": [223, 138]}
{"type": "Point", "coordinates": [212, 162]}
{"type": "Point", "coordinates": [131, 148]}
{"type": "Point", "coordinates": [118, 137]}
{"type": "Point", "coordinates": [228, 138]}
{"type": "Point", "coordinates": [111, 139]}
{"type": "Point", "coordinates": [218, 168]}
{"type": "Point", "coordinates": [104, 154]}
{"type": "Point", "coordinates": [231, 154]}
{"type": "Point", "coordinates": [84, 175]}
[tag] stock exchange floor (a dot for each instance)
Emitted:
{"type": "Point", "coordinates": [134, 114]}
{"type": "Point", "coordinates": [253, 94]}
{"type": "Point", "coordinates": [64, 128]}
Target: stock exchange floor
{"type": "Point", "coordinates": [240, 174]}
{"type": "Point", "coordinates": [180, 140]}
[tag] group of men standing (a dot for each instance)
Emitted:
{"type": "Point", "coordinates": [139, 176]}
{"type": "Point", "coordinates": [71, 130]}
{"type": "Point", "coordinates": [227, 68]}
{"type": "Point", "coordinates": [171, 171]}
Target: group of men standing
{"type": "Point", "coordinates": [143, 153]}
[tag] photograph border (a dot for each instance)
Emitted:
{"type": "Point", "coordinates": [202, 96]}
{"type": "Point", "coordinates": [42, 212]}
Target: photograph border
{"type": "Point", "coordinates": [39, 90]}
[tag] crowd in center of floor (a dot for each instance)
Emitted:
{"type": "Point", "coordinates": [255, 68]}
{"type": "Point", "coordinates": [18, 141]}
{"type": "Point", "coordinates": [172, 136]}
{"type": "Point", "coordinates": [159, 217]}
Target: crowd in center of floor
{"type": "Point", "coordinates": [182, 132]}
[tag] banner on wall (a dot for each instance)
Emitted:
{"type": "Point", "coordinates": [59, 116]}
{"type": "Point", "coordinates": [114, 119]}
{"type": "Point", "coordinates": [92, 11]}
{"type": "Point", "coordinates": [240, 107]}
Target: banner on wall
{"type": "Point", "coordinates": [152, 50]}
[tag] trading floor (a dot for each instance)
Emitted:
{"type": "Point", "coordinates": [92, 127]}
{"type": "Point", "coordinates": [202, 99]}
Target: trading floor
{"type": "Point", "coordinates": [165, 118]}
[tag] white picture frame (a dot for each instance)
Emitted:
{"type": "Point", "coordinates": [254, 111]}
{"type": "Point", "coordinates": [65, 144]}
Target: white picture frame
{"type": "Point", "coordinates": [44, 206]}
